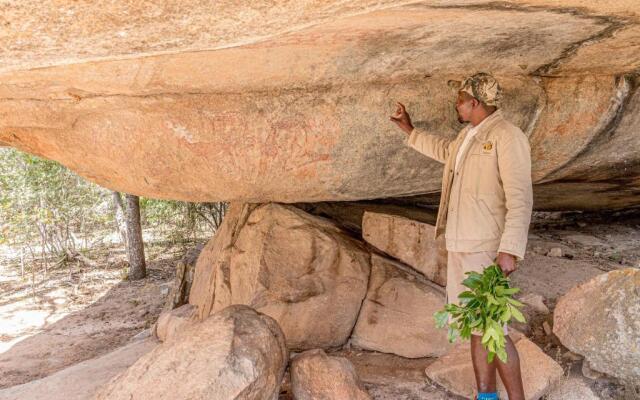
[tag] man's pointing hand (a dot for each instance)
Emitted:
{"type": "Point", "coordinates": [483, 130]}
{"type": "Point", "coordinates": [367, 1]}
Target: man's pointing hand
{"type": "Point", "coordinates": [402, 119]}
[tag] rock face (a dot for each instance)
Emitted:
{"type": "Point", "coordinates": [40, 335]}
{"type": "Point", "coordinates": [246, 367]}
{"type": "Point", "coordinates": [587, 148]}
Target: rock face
{"type": "Point", "coordinates": [397, 314]}
{"type": "Point", "coordinates": [454, 371]}
{"type": "Point", "coordinates": [301, 270]}
{"type": "Point", "coordinates": [234, 354]}
{"type": "Point", "coordinates": [170, 323]}
{"type": "Point", "coordinates": [600, 319]}
{"type": "Point", "coordinates": [316, 376]}
{"type": "Point", "coordinates": [273, 103]}
{"type": "Point", "coordinates": [410, 241]}
{"type": "Point", "coordinates": [181, 288]}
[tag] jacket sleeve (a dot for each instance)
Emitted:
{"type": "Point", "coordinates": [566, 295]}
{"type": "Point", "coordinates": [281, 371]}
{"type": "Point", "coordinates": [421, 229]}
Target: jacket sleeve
{"type": "Point", "coordinates": [514, 164]}
{"type": "Point", "coordinates": [430, 145]}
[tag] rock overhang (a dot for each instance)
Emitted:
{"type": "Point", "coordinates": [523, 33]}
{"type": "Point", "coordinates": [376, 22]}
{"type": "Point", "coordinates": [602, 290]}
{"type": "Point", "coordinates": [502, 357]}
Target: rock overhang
{"type": "Point", "coordinates": [291, 105]}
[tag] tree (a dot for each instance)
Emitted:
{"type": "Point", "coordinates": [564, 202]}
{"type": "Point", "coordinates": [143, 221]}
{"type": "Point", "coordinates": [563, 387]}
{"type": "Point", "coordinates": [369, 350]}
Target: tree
{"type": "Point", "coordinates": [119, 219]}
{"type": "Point", "coordinates": [137, 266]}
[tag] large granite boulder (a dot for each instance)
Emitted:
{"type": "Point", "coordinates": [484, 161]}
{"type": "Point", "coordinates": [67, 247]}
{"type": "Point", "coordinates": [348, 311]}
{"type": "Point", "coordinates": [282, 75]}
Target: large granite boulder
{"type": "Point", "coordinates": [600, 319]}
{"type": "Point", "coordinates": [297, 268]}
{"type": "Point", "coordinates": [170, 323]}
{"type": "Point", "coordinates": [397, 314]}
{"type": "Point", "coordinates": [236, 354]}
{"type": "Point", "coordinates": [255, 102]}
{"type": "Point", "coordinates": [454, 371]}
{"type": "Point", "coordinates": [317, 376]}
{"type": "Point", "coordinates": [410, 241]}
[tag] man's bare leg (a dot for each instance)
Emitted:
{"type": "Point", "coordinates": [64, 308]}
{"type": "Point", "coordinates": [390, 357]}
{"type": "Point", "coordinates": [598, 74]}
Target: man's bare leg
{"type": "Point", "coordinates": [510, 371]}
{"type": "Point", "coordinates": [485, 372]}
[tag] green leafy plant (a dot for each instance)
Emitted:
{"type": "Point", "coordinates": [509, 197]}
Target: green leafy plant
{"type": "Point", "coordinates": [486, 306]}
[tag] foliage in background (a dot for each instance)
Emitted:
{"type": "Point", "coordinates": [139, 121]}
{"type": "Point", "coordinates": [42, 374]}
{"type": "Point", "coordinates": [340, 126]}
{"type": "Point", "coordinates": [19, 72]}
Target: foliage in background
{"type": "Point", "coordinates": [47, 209]}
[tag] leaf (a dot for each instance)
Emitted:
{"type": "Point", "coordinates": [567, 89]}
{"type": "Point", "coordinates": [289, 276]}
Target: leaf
{"type": "Point", "coordinates": [511, 291]}
{"type": "Point", "coordinates": [506, 315]}
{"type": "Point", "coordinates": [517, 314]}
{"type": "Point", "coordinates": [502, 354]}
{"type": "Point", "coordinates": [473, 281]}
{"type": "Point", "coordinates": [514, 302]}
{"type": "Point", "coordinates": [441, 318]}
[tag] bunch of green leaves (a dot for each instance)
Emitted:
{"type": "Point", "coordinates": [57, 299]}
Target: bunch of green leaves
{"type": "Point", "coordinates": [486, 306]}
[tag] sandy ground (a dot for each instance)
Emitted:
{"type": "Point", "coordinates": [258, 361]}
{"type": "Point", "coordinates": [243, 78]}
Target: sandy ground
{"type": "Point", "coordinates": [76, 313]}
{"type": "Point", "coordinates": [79, 314]}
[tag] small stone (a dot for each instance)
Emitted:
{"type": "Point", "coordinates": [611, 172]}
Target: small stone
{"type": "Point", "coordinates": [555, 252]}
{"type": "Point", "coordinates": [143, 312]}
{"type": "Point", "coordinates": [590, 373]}
{"type": "Point", "coordinates": [315, 375]}
{"type": "Point", "coordinates": [573, 388]}
{"type": "Point", "coordinates": [571, 356]}
{"type": "Point", "coordinates": [547, 328]}
{"type": "Point", "coordinates": [536, 302]}
{"type": "Point", "coordinates": [142, 335]}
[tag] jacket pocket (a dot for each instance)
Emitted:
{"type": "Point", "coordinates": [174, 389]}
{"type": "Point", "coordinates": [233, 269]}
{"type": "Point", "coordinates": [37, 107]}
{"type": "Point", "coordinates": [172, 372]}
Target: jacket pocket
{"type": "Point", "coordinates": [489, 215]}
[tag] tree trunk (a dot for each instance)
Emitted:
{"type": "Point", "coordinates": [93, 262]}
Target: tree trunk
{"type": "Point", "coordinates": [121, 227]}
{"type": "Point", "coordinates": [137, 267]}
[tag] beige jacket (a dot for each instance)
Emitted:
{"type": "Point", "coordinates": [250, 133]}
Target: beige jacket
{"type": "Point", "coordinates": [487, 203]}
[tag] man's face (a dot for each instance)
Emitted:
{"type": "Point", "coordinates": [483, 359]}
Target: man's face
{"type": "Point", "coordinates": [464, 106]}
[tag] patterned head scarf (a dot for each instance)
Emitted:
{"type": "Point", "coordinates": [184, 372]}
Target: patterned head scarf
{"type": "Point", "coordinates": [483, 87]}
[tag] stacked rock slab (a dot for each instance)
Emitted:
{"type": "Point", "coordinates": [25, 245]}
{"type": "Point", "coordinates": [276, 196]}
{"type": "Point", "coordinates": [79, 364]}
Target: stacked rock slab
{"type": "Point", "coordinates": [397, 313]}
{"type": "Point", "coordinates": [600, 319]}
{"type": "Point", "coordinates": [454, 371]}
{"type": "Point", "coordinates": [410, 241]}
{"type": "Point", "coordinates": [300, 269]}
{"type": "Point", "coordinates": [315, 375]}
{"type": "Point", "coordinates": [236, 354]}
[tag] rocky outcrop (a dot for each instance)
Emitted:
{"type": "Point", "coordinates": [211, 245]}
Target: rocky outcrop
{"type": "Point", "coordinates": [300, 269]}
{"type": "Point", "coordinates": [397, 314]}
{"type": "Point", "coordinates": [316, 376]}
{"type": "Point", "coordinates": [170, 323]}
{"type": "Point", "coordinates": [600, 319]}
{"type": "Point", "coordinates": [234, 354]}
{"type": "Point", "coordinates": [267, 104]}
{"type": "Point", "coordinates": [454, 371]}
{"type": "Point", "coordinates": [181, 288]}
{"type": "Point", "coordinates": [409, 241]}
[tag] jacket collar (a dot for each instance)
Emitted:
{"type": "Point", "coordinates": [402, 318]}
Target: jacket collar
{"type": "Point", "coordinates": [487, 124]}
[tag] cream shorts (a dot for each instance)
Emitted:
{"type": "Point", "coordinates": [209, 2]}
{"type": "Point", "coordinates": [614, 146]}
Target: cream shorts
{"type": "Point", "coordinates": [457, 264]}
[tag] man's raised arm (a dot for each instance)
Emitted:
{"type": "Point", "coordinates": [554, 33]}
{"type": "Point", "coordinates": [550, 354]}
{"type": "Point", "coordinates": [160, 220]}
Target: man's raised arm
{"type": "Point", "coordinates": [430, 145]}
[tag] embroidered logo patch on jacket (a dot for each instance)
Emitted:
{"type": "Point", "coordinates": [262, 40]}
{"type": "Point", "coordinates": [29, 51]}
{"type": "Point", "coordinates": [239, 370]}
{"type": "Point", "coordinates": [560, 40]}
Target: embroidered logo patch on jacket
{"type": "Point", "coordinates": [486, 147]}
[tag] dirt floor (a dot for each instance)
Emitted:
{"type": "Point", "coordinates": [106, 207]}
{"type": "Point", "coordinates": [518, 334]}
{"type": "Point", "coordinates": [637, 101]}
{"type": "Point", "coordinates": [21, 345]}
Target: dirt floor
{"type": "Point", "coordinates": [76, 313]}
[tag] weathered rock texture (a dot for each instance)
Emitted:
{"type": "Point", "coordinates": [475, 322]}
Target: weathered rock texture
{"type": "Point", "coordinates": [454, 371]}
{"type": "Point", "coordinates": [234, 354]}
{"type": "Point", "coordinates": [600, 319]}
{"type": "Point", "coordinates": [316, 376]}
{"type": "Point", "coordinates": [263, 102]}
{"type": "Point", "coordinates": [397, 314]}
{"type": "Point", "coordinates": [170, 323]}
{"type": "Point", "coordinates": [185, 270]}
{"type": "Point", "coordinates": [410, 241]}
{"type": "Point", "coordinates": [300, 269]}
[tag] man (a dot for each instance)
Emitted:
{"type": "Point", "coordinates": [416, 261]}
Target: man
{"type": "Point", "coordinates": [485, 205]}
